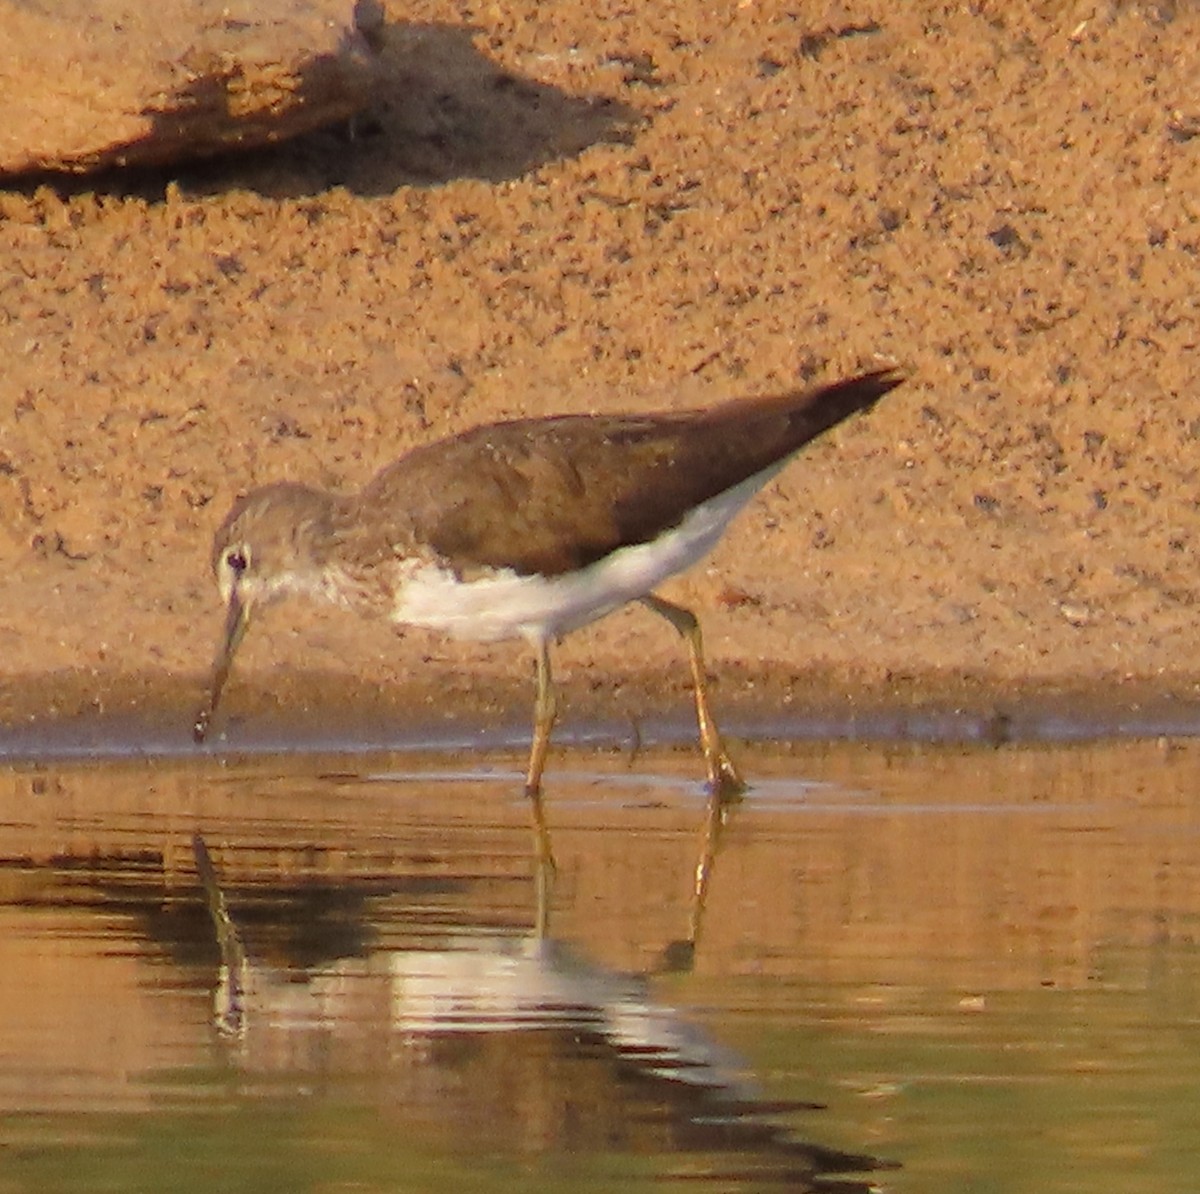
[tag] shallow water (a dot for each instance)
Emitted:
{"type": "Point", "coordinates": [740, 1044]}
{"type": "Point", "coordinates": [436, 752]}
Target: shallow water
{"type": "Point", "coordinates": [894, 968]}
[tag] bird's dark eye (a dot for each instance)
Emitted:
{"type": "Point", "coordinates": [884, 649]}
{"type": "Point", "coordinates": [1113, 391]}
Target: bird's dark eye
{"type": "Point", "coordinates": [236, 561]}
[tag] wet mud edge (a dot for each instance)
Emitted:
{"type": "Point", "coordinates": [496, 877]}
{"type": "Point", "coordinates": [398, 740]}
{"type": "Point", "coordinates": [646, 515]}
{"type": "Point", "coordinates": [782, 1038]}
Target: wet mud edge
{"type": "Point", "coordinates": [452, 709]}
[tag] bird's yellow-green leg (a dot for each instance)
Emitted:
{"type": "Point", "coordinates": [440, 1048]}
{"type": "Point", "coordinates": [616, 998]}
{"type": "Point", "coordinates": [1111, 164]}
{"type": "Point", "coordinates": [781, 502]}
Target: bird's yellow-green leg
{"type": "Point", "coordinates": [723, 775]}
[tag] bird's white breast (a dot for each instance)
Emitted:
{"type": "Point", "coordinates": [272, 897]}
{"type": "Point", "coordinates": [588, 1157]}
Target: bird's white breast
{"type": "Point", "coordinates": [508, 605]}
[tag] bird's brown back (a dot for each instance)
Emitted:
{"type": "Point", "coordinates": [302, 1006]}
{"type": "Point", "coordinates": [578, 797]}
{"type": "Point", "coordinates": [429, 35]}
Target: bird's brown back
{"type": "Point", "coordinates": [550, 495]}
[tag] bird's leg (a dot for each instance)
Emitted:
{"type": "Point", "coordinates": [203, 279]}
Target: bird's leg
{"type": "Point", "coordinates": [723, 776]}
{"type": "Point", "coordinates": [545, 710]}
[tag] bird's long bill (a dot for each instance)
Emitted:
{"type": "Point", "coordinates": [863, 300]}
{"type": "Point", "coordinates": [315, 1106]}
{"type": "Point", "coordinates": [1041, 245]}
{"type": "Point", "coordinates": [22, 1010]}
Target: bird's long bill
{"type": "Point", "coordinates": [236, 621]}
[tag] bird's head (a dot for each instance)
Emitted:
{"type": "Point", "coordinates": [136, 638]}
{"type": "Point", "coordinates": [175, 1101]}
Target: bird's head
{"type": "Point", "coordinates": [268, 546]}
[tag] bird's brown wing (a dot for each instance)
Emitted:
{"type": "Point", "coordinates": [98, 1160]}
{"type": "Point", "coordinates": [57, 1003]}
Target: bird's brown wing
{"type": "Point", "coordinates": [550, 495]}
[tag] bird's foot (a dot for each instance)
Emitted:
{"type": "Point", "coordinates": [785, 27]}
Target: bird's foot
{"type": "Point", "coordinates": [724, 780]}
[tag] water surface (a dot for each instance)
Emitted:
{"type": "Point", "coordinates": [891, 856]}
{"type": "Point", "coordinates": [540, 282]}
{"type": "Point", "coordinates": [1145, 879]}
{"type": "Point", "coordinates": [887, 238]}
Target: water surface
{"type": "Point", "coordinates": [894, 968]}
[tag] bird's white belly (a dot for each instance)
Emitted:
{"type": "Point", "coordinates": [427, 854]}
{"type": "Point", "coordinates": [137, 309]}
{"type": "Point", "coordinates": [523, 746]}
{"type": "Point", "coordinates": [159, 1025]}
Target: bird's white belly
{"type": "Point", "coordinates": [508, 605]}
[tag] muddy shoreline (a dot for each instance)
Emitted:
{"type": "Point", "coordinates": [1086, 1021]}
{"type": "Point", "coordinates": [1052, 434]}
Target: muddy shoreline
{"type": "Point", "coordinates": [661, 209]}
{"type": "Point", "coordinates": [61, 717]}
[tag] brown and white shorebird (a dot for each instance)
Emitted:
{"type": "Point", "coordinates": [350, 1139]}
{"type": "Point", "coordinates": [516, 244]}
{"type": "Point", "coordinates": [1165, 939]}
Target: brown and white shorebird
{"type": "Point", "coordinates": [527, 529]}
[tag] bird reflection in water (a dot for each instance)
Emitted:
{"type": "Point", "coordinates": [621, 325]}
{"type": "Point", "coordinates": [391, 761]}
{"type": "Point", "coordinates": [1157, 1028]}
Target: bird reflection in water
{"type": "Point", "coordinates": [515, 1041]}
